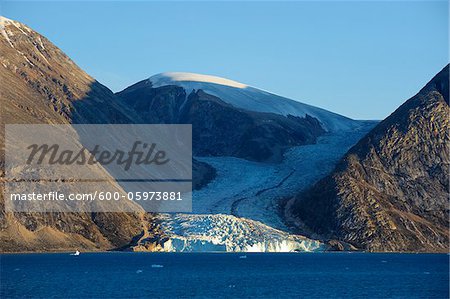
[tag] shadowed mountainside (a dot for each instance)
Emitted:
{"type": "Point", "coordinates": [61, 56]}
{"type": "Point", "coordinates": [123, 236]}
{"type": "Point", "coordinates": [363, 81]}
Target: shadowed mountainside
{"type": "Point", "coordinates": [41, 85]}
{"type": "Point", "coordinates": [390, 191]}
{"type": "Point", "coordinates": [219, 128]}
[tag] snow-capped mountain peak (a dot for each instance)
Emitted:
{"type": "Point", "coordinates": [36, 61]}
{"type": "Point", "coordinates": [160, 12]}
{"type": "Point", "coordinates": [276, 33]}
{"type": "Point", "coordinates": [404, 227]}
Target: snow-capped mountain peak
{"type": "Point", "coordinates": [4, 20]}
{"type": "Point", "coordinates": [5, 29]}
{"type": "Point", "coordinates": [249, 98]}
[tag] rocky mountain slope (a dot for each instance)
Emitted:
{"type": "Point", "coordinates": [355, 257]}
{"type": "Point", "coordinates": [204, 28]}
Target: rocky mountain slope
{"type": "Point", "coordinates": [229, 118]}
{"type": "Point", "coordinates": [390, 191]}
{"type": "Point", "coordinates": [41, 85]}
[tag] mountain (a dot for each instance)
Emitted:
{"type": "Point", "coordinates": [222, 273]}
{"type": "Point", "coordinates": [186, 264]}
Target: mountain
{"type": "Point", "coordinates": [248, 98]}
{"type": "Point", "coordinates": [41, 85]}
{"type": "Point", "coordinates": [237, 129]}
{"type": "Point", "coordinates": [391, 190]}
{"type": "Point", "coordinates": [231, 118]}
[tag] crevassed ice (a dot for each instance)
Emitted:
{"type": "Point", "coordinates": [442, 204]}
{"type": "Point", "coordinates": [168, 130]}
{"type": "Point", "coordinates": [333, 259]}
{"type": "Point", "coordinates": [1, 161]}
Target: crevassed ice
{"type": "Point", "coordinates": [192, 233]}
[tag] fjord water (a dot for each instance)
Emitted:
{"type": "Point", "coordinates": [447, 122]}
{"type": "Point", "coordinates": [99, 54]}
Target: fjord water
{"type": "Point", "coordinates": [220, 275]}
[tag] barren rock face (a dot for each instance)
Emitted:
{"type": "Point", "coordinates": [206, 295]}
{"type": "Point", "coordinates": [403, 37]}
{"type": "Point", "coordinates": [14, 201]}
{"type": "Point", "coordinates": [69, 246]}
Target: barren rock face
{"type": "Point", "coordinates": [40, 84]}
{"type": "Point", "coordinates": [390, 191]}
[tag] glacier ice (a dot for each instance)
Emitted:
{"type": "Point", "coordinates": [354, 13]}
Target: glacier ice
{"type": "Point", "coordinates": [223, 233]}
{"type": "Point", "coordinates": [253, 198]}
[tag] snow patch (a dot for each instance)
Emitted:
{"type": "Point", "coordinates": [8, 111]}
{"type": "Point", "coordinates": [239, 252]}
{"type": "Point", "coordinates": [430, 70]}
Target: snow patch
{"type": "Point", "coordinates": [3, 22]}
{"type": "Point", "coordinates": [41, 43]}
{"type": "Point", "coordinates": [172, 78]}
{"type": "Point", "coordinates": [7, 34]}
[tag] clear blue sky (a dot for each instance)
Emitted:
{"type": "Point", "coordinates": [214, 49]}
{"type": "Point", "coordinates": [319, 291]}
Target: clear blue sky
{"type": "Point", "coordinates": [359, 59]}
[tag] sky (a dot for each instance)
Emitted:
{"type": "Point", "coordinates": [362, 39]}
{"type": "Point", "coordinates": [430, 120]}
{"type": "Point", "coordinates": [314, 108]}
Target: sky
{"type": "Point", "coordinates": [361, 59]}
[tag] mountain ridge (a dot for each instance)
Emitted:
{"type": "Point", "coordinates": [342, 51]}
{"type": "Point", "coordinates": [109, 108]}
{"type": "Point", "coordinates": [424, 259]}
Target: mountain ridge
{"type": "Point", "coordinates": [249, 98]}
{"type": "Point", "coordinates": [390, 191]}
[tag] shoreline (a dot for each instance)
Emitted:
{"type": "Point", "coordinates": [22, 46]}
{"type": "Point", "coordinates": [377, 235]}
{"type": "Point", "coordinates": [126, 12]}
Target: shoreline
{"type": "Point", "coordinates": [227, 252]}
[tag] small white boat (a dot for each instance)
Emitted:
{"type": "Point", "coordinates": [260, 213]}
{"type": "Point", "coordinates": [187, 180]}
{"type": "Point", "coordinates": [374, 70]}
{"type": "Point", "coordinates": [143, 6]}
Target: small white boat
{"type": "Point", "coordinates": [243, 257]}
{"type": "Point", "coordinates": [76, 253]}
{"type": "Point", "coordinates": [157, 266]}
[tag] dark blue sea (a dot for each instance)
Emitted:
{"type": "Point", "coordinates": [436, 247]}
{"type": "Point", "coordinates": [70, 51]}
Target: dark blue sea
{"type": "Point", "coordinates": [225, 275]}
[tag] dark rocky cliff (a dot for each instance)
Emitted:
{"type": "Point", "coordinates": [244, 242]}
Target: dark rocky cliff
{"type": "Point", "coordinates": [218, 128]}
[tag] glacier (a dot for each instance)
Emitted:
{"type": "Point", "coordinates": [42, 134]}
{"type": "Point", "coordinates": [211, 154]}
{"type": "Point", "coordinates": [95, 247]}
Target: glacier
{"type": "Point", "coordinates": [243, 208]}
{"type": "Point", "coordinates": [222, 233]}
{"type": "Point", "coordinates": [255, 190]}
